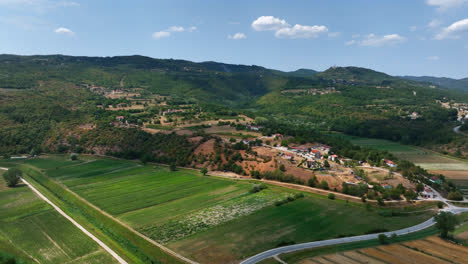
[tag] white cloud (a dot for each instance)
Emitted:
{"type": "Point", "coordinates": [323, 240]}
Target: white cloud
{"type": "Point", "coordinates": [269, 23]}
{"type": "Point", "coordinates": [237, 36]}
{"type": "Point", "coordinates": [168, 32]}
{"type": "Point", "coordinates": [378, 41]}
{"type": "Point", "coordinates": [413, 28]}
{"type": "Point", "coordinates": [433, 58]}
{"type": "Point", "coordinates": [64, 31]}
{"type": "Point", "coordinates": [176, 29]}
{"type": "Point", "coordinates": [161, 34]}
{"type": "Point", "coordinates": [300, 31]}
{"type": "Point", "coordinates": [284, 30]}
{"type": "Point", "coordinates": [446, 4]}
{"type": "Point", "coordinates": [453, 30]}
{"type": "Point", "coordinates": [351, 42]}
{"type": "Point", "coordinates": [334, 34]}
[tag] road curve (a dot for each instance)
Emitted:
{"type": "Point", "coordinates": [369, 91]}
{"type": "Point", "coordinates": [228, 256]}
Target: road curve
{"type": "Point", "coordinates": [97, 240]}
{"type": "Point", "coordinates": [287, 249]}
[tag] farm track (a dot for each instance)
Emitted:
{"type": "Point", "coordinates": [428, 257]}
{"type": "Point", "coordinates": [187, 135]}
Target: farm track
{"type": "Point", "coordinates": [97, 240]}
{"type": "Point", "coordinates": [165, 249]}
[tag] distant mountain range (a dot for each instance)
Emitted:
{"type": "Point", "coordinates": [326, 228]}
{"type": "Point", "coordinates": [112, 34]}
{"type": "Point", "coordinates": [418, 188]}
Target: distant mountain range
{"type": "Point", "coordinates": [461, 84]}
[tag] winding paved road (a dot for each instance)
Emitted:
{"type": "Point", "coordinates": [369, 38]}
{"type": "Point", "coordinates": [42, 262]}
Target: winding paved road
{"type": "Point", "coordinates": [287, 249]}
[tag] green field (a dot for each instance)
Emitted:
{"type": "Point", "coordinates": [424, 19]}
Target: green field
{"type": "Point", "coordinates": [34, 232]}
{"type": "Point", "coordinates": [427, 159]}
{"type": "Point", "coordinates": [212, 219]}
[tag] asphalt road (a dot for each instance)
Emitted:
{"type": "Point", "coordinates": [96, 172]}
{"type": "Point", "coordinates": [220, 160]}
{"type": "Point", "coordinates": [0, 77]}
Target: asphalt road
{"type": "Point", "coordinates": [287, 249]}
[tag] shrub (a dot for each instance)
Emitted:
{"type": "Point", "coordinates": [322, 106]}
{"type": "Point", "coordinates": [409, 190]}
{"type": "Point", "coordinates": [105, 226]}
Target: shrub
{"type": "Point", "coordinates": [324, 185]}
{"type": "Point", "coordinates": [383, 239]}
{"type": "Point", "coordinates": [172, 167]}
{"type": "Point", "coordinates": [331, 196]}
{"type": "Point", "coordinates": [257, 188]}
{"type": "Point", "coordinates": [456, 196]}
{"type": "Point", "coordinates": [363, 199]}
{"type": "Point", "coordinates": [74, 156]}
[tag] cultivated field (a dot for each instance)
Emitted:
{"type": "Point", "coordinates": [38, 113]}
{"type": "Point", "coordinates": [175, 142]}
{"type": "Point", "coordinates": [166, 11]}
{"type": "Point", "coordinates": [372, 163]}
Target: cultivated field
{"type": "Point", "coordinates": [33, 231]}
{"type": "Point", "coordinates": [429, 250]}
{"type": "Point", "coordinates": [209, 219]}
{"type": "Point", "coordinates": [454, 169]}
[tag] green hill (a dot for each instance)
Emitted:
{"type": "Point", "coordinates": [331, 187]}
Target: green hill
{"type": "Point", "coordinates": [42, 98]}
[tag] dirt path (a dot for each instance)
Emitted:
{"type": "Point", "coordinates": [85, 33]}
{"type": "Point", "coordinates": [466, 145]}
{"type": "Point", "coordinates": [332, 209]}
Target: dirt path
{"type": "Point", "coordinates": [165, 249]}
{"type": "Point", "coordinates": [97, 240]}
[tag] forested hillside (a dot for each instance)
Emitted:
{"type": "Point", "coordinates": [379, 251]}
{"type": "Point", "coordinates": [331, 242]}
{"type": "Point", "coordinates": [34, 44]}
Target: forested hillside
{"type": "Point", "coordinates": [44, 98]}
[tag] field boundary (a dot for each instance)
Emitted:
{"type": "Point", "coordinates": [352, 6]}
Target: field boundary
{"type": "Point", "coordinates": [165, 249]}
{"type": "Point", "coordinates": [86, 232]}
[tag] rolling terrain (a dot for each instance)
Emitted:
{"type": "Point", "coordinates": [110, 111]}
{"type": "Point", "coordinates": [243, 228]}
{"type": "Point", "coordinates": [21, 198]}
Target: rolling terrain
{"type": "Point", "coordinates": [212, 219]}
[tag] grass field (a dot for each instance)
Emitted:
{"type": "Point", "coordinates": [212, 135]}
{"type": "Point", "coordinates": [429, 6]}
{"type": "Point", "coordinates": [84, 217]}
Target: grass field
{"type": "Point", "coordinates": [33, 231]}
{"type": "Point", "coordinates": [211, 219]}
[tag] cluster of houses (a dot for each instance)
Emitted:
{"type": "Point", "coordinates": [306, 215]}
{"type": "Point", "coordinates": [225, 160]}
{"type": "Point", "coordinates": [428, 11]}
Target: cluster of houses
{"type": "Point", "coordinates": [311, 155]}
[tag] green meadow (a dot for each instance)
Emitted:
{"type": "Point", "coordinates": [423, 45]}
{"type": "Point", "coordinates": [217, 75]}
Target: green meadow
{"type": "Point", "coordinates": [211, 219]}
{"type": "Point", "coordinates": [34, 232]}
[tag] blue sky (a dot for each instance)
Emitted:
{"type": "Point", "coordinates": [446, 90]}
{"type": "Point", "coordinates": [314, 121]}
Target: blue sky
{"type": "Point", "coordinates": [399, 37]}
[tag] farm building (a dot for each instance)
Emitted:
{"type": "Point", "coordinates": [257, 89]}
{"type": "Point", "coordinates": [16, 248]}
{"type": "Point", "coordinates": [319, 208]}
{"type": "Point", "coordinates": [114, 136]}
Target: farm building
{"type": "Point", "coordinates": [427, 193]}
{"type": "Point", "coordinates": [390, 163]}
{"type": "Point", "coordinates": [333, 157]}
{"type": "Point", "coordinates": [316, 153]}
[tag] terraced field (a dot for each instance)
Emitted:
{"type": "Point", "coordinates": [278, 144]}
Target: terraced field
{"type": "Point", "coordinates": [36, 233]}
{"type": "Point", "coordinates": [428, 250]}
{"type": "Point", "coordinates": [209, 219]}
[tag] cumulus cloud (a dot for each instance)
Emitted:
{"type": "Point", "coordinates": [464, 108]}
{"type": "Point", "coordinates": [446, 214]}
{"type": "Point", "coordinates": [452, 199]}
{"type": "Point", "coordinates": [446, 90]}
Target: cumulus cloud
{"type": "Point", "coordinates": [446, 4]}
{"type": "Point", "coordinates": [284, 30]}
{"type": "Point", "coordinates": [373, 40]}
{"type": "Point", "coordinates": [433, 58]}
{"type": "Point", "coordinates": [334, 34]}
{"type": "Point", "coordinates": [264, 23]}
{"type": "Point", "coordinates": [300, 31]}
{"type": "Point", "coordinates": [168, 32]}
{"type": "Point", "coordinates": [64, 31]}
{"type": "Point", "coordinates": [161, 34]}
{"type": "Point", "coordinates": [237, 36]}
{"type": "Point", "coordinates": [453, 30]}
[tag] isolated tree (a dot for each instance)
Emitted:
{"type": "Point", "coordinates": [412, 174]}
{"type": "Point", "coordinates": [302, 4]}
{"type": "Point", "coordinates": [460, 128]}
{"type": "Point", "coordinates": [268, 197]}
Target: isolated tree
{"type": "Point", "coordinates": [419, 187]}
{"type": "Point", "coordinates": [324, 185]}
{"type": "Point", "coordinates": [204, 171]}
{"type": "Point", "coordinates": [74, 156]}
{"type": "Point", "coordinates": [331, 196]}
{"type": "Point", "coordinates": [12, 177]}
{"type": "Point", "coordinates": [326, 164]}
{"type": "Point", "coordinates": [410, 195]}
{"type": "Point", "coordinates": [312, 182]}
{"type": "Point", "coordinates": [445, 222]}
{"type": "Point", "coordinates": [282, 168]}
{"type": "Point", "coordinates": [383, 239]}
